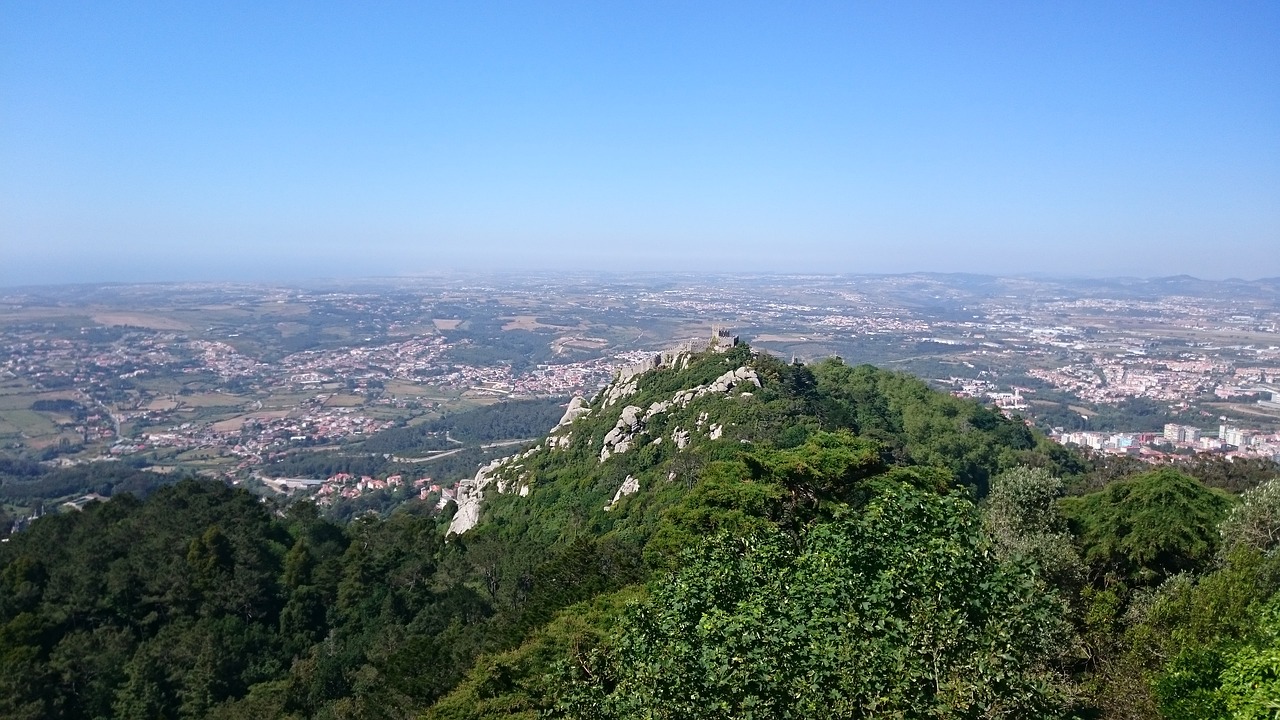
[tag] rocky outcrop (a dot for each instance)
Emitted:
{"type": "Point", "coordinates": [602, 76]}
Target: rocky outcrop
{"type": "Point", "coordinates": [625, 383]}
{"type": "Point", "coordinates": [619, 390]}
{"type": "Point", "coordinates": [630, 486]}
{"type": "Point", "coordinates": [619, 439]}
{"type": "Point", "coordinates": [505, 471]}
{"type": "Point", "coordinates": [632, 423]}
{"type": "Point", "coordinates": [577, 408]}
{"type": "Point", "coordinates": [680, 438]}
{"type": "Point", "coordinates": [722, 384]}
{"type": "Point", "coordinates": [628, 432]}
{"type": "Point", "coordinates": [734, 378]}
{"type": "Point", "coordinates": [470, 497]}
{"type": "Point", "coordinates": [654, 409]}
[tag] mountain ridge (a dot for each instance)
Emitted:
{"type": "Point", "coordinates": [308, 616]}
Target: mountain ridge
{"type": "Point", "coordinates": [631, 424]}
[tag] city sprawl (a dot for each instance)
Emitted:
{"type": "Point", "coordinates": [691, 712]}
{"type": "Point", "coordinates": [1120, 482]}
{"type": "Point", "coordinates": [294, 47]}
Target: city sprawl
{"type": "Point", "coordinates": [237, 381]}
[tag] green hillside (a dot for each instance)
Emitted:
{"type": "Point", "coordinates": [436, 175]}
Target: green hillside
{"type": "Point", "coordinates": [722, 536]}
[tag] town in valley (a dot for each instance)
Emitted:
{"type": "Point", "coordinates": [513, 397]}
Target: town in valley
{"type": "Point", "coordinates": [305, 388]}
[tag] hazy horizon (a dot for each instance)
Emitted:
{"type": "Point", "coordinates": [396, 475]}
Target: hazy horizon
{"type": "Point", "coordinates": [243, 142]}
{"type": "Point", "coordinates": [301, 280]}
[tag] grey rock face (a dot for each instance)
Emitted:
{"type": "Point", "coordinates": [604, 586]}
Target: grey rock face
{"type": "Point", "coordinates": [630, 486]}
{"type": "Point", "coordinates": [619, 439]}
{"type": "Point", "coordinates": [620, 390]}
{"type": "Point", "coordinates": [577, 408]}
{"type": "Point", "coordinates": [680, 438]}
{"type": "Point", "coordinates": [722, 384]}
{"type": "Point", "coordinates": [470, 497]}
{"type": "Point", "coordinates": [624, 435]}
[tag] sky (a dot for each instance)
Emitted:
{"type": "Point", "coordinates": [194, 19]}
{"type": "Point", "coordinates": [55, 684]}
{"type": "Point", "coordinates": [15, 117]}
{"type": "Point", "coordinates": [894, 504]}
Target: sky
{"type": "Point", "coordinates": [280, 140]}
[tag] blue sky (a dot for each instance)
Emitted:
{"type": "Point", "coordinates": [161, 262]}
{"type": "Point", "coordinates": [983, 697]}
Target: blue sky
{"type": "Point", "coordinates": [259, 140]}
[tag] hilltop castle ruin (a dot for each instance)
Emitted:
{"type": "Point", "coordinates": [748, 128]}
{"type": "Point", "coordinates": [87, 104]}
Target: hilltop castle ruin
{"type": "Point", "coordinates": [721, 340]}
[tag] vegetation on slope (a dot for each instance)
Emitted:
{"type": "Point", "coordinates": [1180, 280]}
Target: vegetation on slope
{"type": "Point", "coordinates": [837, 542]}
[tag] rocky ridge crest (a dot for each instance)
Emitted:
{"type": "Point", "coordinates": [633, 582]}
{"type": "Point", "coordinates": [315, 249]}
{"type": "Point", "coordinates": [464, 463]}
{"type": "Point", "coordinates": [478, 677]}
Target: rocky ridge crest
{"type": "Point", "coordinates": [632, 427]}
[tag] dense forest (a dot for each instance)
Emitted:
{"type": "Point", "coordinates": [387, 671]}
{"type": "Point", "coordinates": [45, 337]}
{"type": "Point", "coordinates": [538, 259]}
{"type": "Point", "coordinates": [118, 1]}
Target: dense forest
{"type": "Point", "coordinates": [825, 541]}
{"type": "Point", "coordinates": [505, 420]}
{"type": "Point", "coordinates": [27, 483]}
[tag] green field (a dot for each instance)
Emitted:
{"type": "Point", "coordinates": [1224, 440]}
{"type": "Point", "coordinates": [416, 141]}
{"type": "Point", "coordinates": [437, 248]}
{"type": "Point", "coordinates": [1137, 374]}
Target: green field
{"type": "Point", "coordinates": [11, 387]}
{"type": "Point", "coordinates": [344, 401]}
{"type": "Point", "coordinates": [17, 400]}
{"type": "Point", "coordinates": [203, 455]}
{"type": "Point", "coordinates": [21, 399]}
{"type": "Point", "coordinates": [28, 422]}
{"type": "Point", "coordinates": [289, 400]}
{"type": "Point", "coordinates": [401, 388]}
{"type": "Point", "coordinates": [211, 400]}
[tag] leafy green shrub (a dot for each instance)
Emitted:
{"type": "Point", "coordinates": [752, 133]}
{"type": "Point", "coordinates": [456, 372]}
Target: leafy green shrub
{"type": "Point", "coordinates": [898, 610]}
{"type": "Point", "coordinates": [1144, 529]}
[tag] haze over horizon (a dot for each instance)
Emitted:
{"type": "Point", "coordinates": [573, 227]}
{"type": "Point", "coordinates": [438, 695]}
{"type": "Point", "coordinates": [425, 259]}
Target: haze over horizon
{"type": "Point", "coordinates": [147, 142]}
